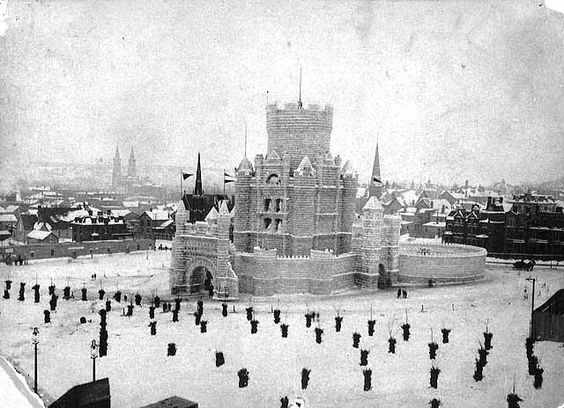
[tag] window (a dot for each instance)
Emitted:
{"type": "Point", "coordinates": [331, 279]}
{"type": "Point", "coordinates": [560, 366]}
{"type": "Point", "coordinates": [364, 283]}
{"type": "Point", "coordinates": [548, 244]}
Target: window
{"type": "Point", "coordinates": [267, 204]}
{"type": "Point", "coordinates": [273, 179]}
{"type": "Point", "coordinates": [267, 222]}
{"type": "Point", "coordinates": [52, 252]}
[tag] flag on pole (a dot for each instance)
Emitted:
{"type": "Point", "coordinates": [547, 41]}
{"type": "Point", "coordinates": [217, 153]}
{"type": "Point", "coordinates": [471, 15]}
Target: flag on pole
{"type": "Point", "coordinates": [186, 175]}
{"type": "Point", "coordinates": [227, 178]}
{"type": "Point", "coordinates": [377, 180]}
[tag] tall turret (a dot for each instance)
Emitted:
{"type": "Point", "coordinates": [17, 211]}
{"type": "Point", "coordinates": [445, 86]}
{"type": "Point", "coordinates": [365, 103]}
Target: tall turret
{"type": "Point", "coordinates": [131, 166]}
{"type": "Point", "coordinates": [375, 187]}
{"type": "Point", "coordinates": [116, 174]}
{"type": "Point", "coordinates": [297, 131]}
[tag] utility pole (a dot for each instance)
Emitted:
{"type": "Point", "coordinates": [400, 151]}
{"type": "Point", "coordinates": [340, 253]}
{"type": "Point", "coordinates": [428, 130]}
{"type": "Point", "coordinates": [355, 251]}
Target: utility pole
{"type": "Point", "coordinates": [35, 342]}
{"type": "Point", "coordinates": [532, 331]}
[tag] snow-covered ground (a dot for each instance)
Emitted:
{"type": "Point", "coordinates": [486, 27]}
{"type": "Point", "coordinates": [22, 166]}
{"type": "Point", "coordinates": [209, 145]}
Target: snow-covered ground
{"type": "Point", "coordinates": [140, 372]}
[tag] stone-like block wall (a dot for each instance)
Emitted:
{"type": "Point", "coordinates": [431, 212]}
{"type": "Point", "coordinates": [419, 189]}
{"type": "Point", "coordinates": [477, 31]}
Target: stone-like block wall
{"type": "Point", "coordinates": [444, 264]}
{"type": "Point", "coordinates": [299, 132]}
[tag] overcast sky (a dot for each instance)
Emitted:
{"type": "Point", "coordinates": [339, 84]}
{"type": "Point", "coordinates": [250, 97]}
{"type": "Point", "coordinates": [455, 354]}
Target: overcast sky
{"type": "Point", "coordinates": [454, 90]}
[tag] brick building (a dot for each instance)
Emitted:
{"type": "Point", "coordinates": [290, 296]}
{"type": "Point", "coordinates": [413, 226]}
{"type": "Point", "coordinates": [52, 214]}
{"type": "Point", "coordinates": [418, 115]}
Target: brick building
{"type": "Point", "coordinates": [99, 227]}
{"type": "Point", "coordinates": [535, 228]}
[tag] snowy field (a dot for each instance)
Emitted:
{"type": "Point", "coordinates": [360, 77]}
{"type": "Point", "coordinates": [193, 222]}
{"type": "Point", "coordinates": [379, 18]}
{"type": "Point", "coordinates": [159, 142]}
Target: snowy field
{"type": "Point", "coordinates": [140, 372]}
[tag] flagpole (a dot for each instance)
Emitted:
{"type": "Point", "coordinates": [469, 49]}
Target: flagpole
{"type": "Point", "coordinates": [224, 182]}
{"type": "Point", "coordinates": [181, 177]}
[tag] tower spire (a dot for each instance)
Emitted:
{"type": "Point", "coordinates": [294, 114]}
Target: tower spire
{"type": "Point", "coordinates": [300, 91]}
{"type": "Point", "coordinates": [245, 138]}
{"type": "Point", "coordinates": [375, 188]}
{"type": "Point", "coordinates": [198, 189]}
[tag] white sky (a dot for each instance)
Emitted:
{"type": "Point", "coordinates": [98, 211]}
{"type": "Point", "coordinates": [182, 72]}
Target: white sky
{"type": "Point", "coordinates": [454, 90]}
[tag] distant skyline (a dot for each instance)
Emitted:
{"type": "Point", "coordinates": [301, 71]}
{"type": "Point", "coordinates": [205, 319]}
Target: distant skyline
{"type": "Point", "coordinates": [452, 90]}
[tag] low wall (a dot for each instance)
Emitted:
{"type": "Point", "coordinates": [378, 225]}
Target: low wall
{"type": "Point", "coordinates": [263, 273]}
{"type": "Point", "coordinates": [442, 263]}
{"type": "Point", "coordinates": [74, 249]}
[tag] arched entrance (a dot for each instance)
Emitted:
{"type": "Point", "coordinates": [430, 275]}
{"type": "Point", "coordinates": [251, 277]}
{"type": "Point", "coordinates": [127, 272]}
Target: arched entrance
{"type": "Point", "coordinates": [201, 279]}
{"type": "Point", "coordinates": [384, 281]}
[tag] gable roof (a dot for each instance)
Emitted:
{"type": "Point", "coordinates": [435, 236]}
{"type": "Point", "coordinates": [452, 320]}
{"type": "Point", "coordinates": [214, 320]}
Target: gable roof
{"type": "Point", "coordinates": [172, 402]}
{"type": "Point", "coordinates": [39, 234]}
{"type": "Point", "coordinates": [8, 218]}
{"type": "Point", "coordinates": [28, 221]}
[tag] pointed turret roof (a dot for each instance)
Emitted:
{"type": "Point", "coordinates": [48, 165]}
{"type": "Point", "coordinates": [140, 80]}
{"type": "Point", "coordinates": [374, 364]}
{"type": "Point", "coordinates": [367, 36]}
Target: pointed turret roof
{"type": "Point", "coordinates": [348, 169]}
{"type": "Point", "coordinates": [198, 189]}
{"type": "Point", "coordinates": [131, 155]}
{"type": "Point", "coordinates": [373, 204]}
{"type": "Point", "coordinates": [305, 164]}
{"type": "Point", "coordinates": [223, 210]}
{"type": "Point", "coordinates": [116, 156]}
{"type": "Point", "coordinates": [245, 165]}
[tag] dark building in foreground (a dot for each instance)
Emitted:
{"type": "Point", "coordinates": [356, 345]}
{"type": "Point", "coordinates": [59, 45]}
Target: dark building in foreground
{"type": "Point", "coordinates": [549, 319]}
{"type": "Point", "coordinates": [94, 394]}
{"type": "Point", "coordinates": [99, 227]}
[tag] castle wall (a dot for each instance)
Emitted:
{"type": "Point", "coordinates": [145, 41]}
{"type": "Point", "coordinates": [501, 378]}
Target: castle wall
{"type": "Point", "coordinates": [265, 273]}
{"type": "Point", "coordinates": [444, 263]}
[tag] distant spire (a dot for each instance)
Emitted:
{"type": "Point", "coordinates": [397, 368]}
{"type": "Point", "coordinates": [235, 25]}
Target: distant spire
{"type": "Point", "coordinates": [198, 189]}
{"type": "Point", "coordinates": [300, 91]}
{"type": "Point", "coordinates": [132, 167]}
{"type": "Point", "coordinates": [245, 138]}
{"type": "Point", "coordinates": [116, 156]}
{"type": "Point", "coordinates": [375, 188]}
{"type": "Point", "coordinates": [131, 155]}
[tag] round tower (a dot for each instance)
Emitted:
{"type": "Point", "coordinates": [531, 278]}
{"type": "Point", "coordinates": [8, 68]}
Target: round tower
{"type": "Point", "coordinates": [299, 132]}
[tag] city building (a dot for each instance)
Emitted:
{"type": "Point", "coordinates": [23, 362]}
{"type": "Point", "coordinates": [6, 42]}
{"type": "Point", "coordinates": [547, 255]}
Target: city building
{"type": "Point", "coordinates": [99, 227]}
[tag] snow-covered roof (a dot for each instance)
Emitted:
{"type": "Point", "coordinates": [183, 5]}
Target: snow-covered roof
{"type": "Point", "coordinates": [130, 204]}
{"type": "Point", "coordinates": [40, 235]}
{"type": "Point", "coordinates": [158, 215]}
{"type": "Point", "coordinates": [12, 208]}
{"type": "Point", "coordinates": [165, 224]}
{"type": "Point", "coordinates": [120, 213]}
{"type": "Point", "coordinates": [305, 164]}
{"type": "Point", "coordinates": [8, 218]}
{"type": "Point", "coordinates": [212, 215]}
{"type": "Point", "coordinates": [373, 204]}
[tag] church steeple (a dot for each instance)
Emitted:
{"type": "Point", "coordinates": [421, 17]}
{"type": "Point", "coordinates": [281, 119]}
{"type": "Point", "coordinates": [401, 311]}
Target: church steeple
{"type": "Point", "coordinates": [198, 189]}
{"type": "Point", "coordinates": [116, 174]}
{"type": "Point", "coordinates": [132, 167]}
{"type": "Point", "coordinates": [375, 187]}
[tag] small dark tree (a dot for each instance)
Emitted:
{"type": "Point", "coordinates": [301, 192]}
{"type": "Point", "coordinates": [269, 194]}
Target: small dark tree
{"type": "Point", "coordinates": [445, 333]}
{"type": "Point", "coordinates": [249, 311]}
{"type": "Point", "coordinates": [284, 330]}
{"type": "Point", "coordinates": [305, 378]}
{"type": "Point", "coordinates": [21, 296]}
{"type": "Point", "coordinates": [108, 305]}
{"type": "Point", "coordinates": [83, 290]}
{"type": "Point", "coordinates": [364, 357]}
{"type": "Point", "coordinates": [338, 323]}
{"type": "Point", "coordinates": [276, 316]}
{"type": "Point", "coordinates": [117, 296]}
{"type": "Point", "coordinates": [434, 376]}
{"type": "Point", "coordinates": [219, 359]}
{"type": "Point", "coordinates": [171, 351]}
{"type": "Point", "coordinates": [433, 347]}
{"type": "Point", "coordinates": [391, 345]}
{"type": "Point", "coordinates": [356, 339]}
{"type": "Point", "coordinates": [203, 326]}
{"type": "Point", "coordinates": [36, 296]}
{"type": "Point", "coordinates": [513, 400]}
{"type": "Point", "coordinates": [153, 326]}
{"type": "Point", "coordinates": [224, 309]}
{"type": "Point", "coordinates": [318, 334]}
{"type": "Point", "coordinates": [435, 403]}
{"type": "Point", "coordinates": [137, 299]}
{"type": "Point", "coordinates": [284, 402]}
{"type": "Point", "coordinates": [367, 379]}
{"type": "Point", "coordinates": [53, 302]}
{"type": "Point", "coordinates": [101, 294]}
{"type": "Point", "coordinates": [46, 316]}
{"type": "Point", "coordinates": [371, 324]}
{"type": "Point", "coordinates": [254, 326]}
{"type": "Point", "coordinates": [243, 377]}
